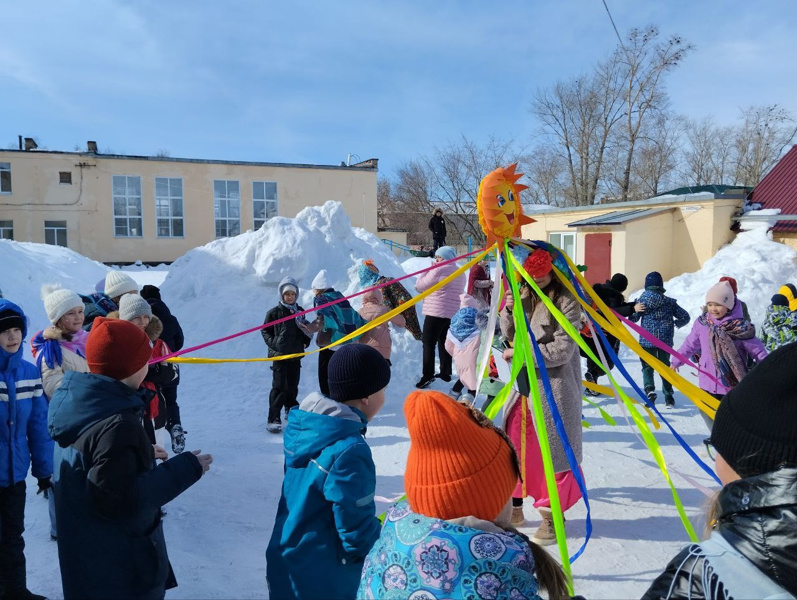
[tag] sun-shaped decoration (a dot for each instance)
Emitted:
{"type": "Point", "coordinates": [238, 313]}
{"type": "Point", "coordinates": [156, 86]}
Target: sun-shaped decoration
{"type": "Point", "coordinates": [498, 204]}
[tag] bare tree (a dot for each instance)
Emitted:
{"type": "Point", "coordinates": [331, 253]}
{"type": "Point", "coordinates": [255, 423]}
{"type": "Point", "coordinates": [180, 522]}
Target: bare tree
{"type": "Point", "coordinates": [760, 140]}
{"type": "Point", "coordinates": [644, 60]}
{"type": "Point", "coordinates": [656, 157]}
{"type": "Point", "coordinates": [546, 171]}
{"type": "Point", "coordinates": [708, 155]}
{"type": "Point", "coordinates": [384, 201]}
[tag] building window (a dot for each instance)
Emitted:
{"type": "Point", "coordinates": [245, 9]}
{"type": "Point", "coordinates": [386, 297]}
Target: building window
{"type": "Point", "coordinates": [566, 242]}
{"type": "Point", "coordinates": [169, 206]}
{"type": "Point", "coordinates": [55, 233]}
{"type": "Point", "coordinates": [65, 177]}
{"type": "Point", "coordinates": [5, 178]}
{"type": "Point", "coordinates": [127, 220]}
{"type": "Point", "coordinates": [6, 230]}
{"type": "Point", "coordinates": [264, 201]}
{"type": "Point", "coordinates": [227, 207]}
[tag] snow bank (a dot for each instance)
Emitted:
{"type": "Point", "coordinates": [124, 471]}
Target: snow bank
{"type": "Point", "coordinates": [27, 266]}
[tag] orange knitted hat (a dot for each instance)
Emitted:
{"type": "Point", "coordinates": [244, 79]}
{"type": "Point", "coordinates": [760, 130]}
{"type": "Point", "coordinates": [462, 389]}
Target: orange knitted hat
{"type": "Point", "coordinates": [459, 463]}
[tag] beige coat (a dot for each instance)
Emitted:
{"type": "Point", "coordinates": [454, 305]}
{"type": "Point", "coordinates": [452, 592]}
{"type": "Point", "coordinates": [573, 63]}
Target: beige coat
{"type": "Point", "coordinates": [563, 364]}
{"type": "Point", "coordinates": [51, 378]}
{"type": "Point", "coordinates": [379, 336]}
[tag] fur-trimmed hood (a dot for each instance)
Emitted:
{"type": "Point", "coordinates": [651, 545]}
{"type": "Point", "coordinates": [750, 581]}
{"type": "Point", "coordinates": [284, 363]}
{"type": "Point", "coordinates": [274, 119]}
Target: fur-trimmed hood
{"type": "Point", "coordinates": [153, 330]}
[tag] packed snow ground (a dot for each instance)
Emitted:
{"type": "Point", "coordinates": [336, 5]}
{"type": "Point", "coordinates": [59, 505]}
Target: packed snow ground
{"type": "Point", "coordinates": [218, 530]}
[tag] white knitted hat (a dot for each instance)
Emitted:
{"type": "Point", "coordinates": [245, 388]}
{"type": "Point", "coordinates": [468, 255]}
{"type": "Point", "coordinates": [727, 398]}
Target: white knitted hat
{"type": "Point", "coordinates": [321, 281]}
{"type": "Point", "coordinates": [118, 283]}
{"type": "Point", "coordinates": [58, 302]}
{"type": "Point", "coordinates": [132, 306]}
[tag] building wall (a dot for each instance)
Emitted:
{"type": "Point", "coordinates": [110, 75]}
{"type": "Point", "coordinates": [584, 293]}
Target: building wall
{"type": "Point", "coordinates": [786, 237]}
{"type": "Point", "coordinates": [87, 204]}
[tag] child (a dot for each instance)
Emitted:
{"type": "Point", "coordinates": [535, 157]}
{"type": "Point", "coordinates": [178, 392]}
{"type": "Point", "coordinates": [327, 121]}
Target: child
{"type": "Point", "coordinates": [438, 308]}
{"type": "Point", "coordinates": [289, 337]}
{"type": "Point", "coordinates": [780, 324]}
{"type": "Point", "coordinates": [462, 343]}
{"type": "Point", "coordinates": [332, 323]}
{"type": "Point", "coordinates": [724, 340]}
{"type": "Point", "coordinates": [660, 315]}
{"type": "Point", "coordinates": [379, 336]}
{"type": "Point", "coordinates": [62, 346]}
{"type": "Point", "coordinates": [109, 493]}
{"type": "Point", "coordinates": [753, 544]}
{"type": "Point", "coordinates": [394, 295]}
{"type": "Point", "coordinates": [116, 284]}
{"type": "Point", "coordinates": [479, 284]}
{"type": "Point", "coordinates": [23, 441]}
{"type": "Point", "coordinates": [326, 521]}
{"type": "Point", "coordinates": [135, 309]}
{"type": "Point", "coordinates": [451, 537]}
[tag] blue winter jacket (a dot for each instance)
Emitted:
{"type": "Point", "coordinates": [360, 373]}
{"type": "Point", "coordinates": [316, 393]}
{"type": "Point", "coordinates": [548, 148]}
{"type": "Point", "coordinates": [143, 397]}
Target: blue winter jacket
{"type": "Point", "coordinates": [23, 415]}
{"type": "Point", "coordinates": [326, 521]}
{"type": "Point", "coordinates": [109, 493]}
{"type": "Point", "coordinates": [662, 314]}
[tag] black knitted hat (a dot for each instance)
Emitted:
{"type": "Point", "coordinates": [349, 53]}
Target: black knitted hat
{"type": "Point", "coordinates": [779, 300]}
{"type": "Point", "coordinates": [357, 371]}
{"type": "Point", "coordinates": [149, 292]}
{"type": "Point", "coordinates": [619, 282]}
{"type": "Point", "coordinates": [654, 279]}
{"type": "Point", "coordinates": [10, 319]}
{"type": "Point", "coordinates": [755, 429]}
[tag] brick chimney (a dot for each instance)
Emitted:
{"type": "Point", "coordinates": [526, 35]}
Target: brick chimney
{"type": "Point", "coordinates": [91, 147]}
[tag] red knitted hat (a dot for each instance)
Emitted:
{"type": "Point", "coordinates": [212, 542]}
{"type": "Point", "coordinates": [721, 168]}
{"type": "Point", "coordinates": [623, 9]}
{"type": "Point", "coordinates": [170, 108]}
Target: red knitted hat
{"type": "Point", "coordinates": [538, 264]}
{"type": "Point", "coordinates": [116, 348]}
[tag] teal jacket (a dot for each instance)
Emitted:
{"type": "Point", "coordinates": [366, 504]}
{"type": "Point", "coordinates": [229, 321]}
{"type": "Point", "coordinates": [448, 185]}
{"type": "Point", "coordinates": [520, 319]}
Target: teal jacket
{"type": "Point", "coordinates": [326, 521]}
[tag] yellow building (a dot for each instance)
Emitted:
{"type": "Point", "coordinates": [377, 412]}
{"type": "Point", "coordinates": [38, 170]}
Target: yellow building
{"type": "Point", "coordinates": [672, 234]}
{"type": "Point", "coordinates": [119, 209]}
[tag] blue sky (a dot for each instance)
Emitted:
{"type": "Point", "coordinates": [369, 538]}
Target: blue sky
{"type": "Point", "coordinates": [311, 81]}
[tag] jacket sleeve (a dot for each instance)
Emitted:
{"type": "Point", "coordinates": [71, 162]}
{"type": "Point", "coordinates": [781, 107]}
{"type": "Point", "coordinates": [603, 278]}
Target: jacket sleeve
{"type": "Point", "coordinates": [268, 332]}
{"type": "Point", "coordinates": [350, 487]}
{"type": "Point", "coordinates": [756, 349]}
{"type": "Point", "coordinates": [116, 484]}
{"type": "Point", "coordinates": [428, 279]}
{"type": "Point", "coordinates": [560, 350]}
{"type": "Point", "coordinates": [399, 320]}
{"type": "Point", "coordinates": [431, 224]}
{"type": "Point", "coordinates": [39, 441]}
{"type": "Point", "coordinates": [682, 579]}
{"type": "Point", "coordinates": [443, 227]}
{"type": "Point", "coordinates": [51, 378]}
{"type": "Point", "coordinates": [626, 309]}
{"type": "Point", "coordinates": [161, 373]}
{"type": "Point", "coordinates": [691, 345]}
{"type": "Point", "coordinates": [179, 338]}
{"type": "Point", "coordinates": [681, 316]}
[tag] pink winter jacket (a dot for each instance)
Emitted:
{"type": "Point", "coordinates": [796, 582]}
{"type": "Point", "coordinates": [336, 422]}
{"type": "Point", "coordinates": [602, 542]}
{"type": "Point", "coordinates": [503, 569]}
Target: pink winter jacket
{"type": "Point", "coordinates": [466, 352]}
{"type": "Point", "coordinates": [444, 302]}
{"type": "Point", "coordinates": [379, 336]}
{"type": "Point", "coordinates": [697, 342]}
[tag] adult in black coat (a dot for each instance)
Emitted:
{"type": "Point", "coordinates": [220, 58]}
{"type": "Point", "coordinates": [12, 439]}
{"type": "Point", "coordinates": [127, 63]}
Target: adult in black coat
{"type": "Point", "coordinates": [108, 491]}
{"type": "Point", "coordinates": [437, 225]}
{"type": "Point", "coordinates": [611, 293]}
{"type": "Point", "coordinates": [752, 551]}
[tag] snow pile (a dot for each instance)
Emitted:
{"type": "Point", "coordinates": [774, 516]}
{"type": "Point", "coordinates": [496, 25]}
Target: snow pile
{"type": "Point", "coordinates": [28, 266]}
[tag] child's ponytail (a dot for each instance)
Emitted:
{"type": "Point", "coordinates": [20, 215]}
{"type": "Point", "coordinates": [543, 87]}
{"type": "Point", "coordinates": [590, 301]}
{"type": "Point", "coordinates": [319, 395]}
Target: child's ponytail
{"type": "Point", "coordinates": [548, 572]}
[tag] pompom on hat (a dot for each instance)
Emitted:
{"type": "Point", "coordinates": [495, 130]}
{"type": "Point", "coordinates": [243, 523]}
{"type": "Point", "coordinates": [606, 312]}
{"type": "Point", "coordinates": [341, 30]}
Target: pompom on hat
{"type": "Point", "coordinates": [459, 463]}
{"type": "Point", "coordinates": [116, 348]}
{"type": "Point", "coordinates": [538, 264]}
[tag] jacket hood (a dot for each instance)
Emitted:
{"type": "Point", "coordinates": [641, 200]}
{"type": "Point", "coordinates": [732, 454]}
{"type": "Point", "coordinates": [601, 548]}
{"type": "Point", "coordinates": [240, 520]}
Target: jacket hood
{"type": "Point", "coordinates": [769, 490]}
{"type": "Point", "coordinates": [373, 297]}
{"type": "Point", "coordinates": [8, 305]}
{"type": "Point", "coordinates": [317, 423]}
{"type": "Point", "coordinates": [287, 281]}
{"type": "Point", "coordinates": [85, 398]}
{"type": "Point", "coordinates": [468, 301]}
{"type": "Point", "coordinates": [8, 360]}
{"type": "Point", "coordinates": [162, 308]}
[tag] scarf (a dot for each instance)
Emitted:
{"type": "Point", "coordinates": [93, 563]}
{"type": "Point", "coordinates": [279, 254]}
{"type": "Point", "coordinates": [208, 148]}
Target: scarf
{"type": "Point", "coordinates": [294, 308]}
{"type": "Point", "coordinates": [463, 324]}
{"type": "Point", "coordinates": [50, 350]}
{"type": "Point", "coordinates": [724, 353]}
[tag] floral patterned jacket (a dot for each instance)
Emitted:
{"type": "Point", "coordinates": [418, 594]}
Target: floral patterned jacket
{"type": "Point", "coordinates": [423, 558]}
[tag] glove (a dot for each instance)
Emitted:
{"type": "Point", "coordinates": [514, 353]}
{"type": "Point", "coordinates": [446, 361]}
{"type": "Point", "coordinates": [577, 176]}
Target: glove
{"type": "Point", "coordinates": [45, 483]}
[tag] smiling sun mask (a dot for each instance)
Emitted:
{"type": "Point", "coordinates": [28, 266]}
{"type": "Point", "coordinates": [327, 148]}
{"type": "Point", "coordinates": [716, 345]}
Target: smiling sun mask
{"type": "Point", "coordinates": [498, 203]}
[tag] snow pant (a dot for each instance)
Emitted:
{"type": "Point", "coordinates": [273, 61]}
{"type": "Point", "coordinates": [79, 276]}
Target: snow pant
{"type": "Point", "coordinates": [592, 368]}
{"type": "Point", "coordinates": [284, 387]}
{"type": "Point", "coordinates": [172, 408]}
{"type": "Point", "coordinates": [434, 334]}
{"type": "Point", "coordinates": [647, 373]}
{"type": "Point", "coordinates": [13, 578]}
{"type": "Point", "coordinates": [51, 509]}
{"type": "Point", "coordinates": [323, 370]}
{"type": "Point", "coordinates": [533, 470]}
{"type": "Point", "coordinates": [459, 386]}
{"type": "Point", "coordinates": [706, 419]}
{"type": "Point", "coordinates": [437, 242]}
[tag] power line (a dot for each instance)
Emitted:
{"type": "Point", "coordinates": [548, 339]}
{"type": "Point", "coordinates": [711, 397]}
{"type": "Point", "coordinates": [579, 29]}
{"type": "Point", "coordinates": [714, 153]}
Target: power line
{"type": "Point", "coordinates": [617, 33]}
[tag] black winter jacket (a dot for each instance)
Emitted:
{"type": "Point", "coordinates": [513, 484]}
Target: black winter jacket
{"type": "Point", "coordinates": [109, 492]}
{"type": "Point", "coordinates": [758, 517]}
{"type": "Point", "coordinates": [286, 337]}
{"type": "Point", "coordinates": [437, 225]}
{"type": "Point", "coordinates": [172, 332]}
{"type": "Point", "coordinates": [614, 299]}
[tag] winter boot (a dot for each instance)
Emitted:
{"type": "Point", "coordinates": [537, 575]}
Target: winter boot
{"type": "Point", "coordinates": [453, 394]}
{"type": "Point", "coordinates": [517, 519]}
{"type": "Point", "coordinates": [669, 401]}
{"type": "Point", "coordinates": [445, 378]}
{"type": "Point", "coordinates": [178, 438]}
{"type": "Point", "coordinates": [274, 427]}
{"type": "Point", "coordinates": [545, 534]}
{"type": "Point", "coordinates": [590, 378]}
{"type": "Point", "coordinates": [651, 393]}
{"type": "Point", "coordinates": [23, 594]}
{"type": "Point", "coordinates": [424, 383]}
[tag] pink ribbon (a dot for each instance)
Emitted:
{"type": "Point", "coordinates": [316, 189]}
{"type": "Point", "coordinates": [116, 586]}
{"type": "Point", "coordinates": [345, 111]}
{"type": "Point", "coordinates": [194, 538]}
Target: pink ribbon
{"type": "Point", "coordinates": [309, 310]}
{"type": "Point", "coordinates": [662, 346]}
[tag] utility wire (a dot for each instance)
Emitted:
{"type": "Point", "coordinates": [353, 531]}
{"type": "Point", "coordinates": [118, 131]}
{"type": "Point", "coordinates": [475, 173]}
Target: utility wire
{"type": "Point", "coordinates": [617, 33]}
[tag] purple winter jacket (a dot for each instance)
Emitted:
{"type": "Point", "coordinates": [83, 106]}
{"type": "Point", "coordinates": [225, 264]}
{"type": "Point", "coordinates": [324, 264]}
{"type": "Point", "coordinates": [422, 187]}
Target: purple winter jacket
{"type": "Point", "coordinates": [697, 343]}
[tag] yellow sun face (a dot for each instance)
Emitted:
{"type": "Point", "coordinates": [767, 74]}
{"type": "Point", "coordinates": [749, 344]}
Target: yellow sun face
{"type": "Point", "coordinates": [498, 204]}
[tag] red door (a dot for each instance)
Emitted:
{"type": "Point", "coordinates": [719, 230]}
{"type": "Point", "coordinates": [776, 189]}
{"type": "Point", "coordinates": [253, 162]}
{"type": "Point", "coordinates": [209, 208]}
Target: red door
{"type": "Point", "coordinates": [598, 256]}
